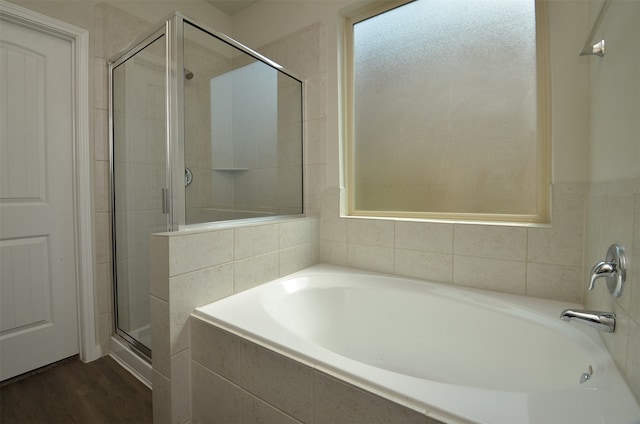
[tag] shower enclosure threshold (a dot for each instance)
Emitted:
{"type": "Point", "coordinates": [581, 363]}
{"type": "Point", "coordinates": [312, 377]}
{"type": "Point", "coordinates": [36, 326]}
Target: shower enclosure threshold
{"type": "Point", "coordinates": [131, 361]}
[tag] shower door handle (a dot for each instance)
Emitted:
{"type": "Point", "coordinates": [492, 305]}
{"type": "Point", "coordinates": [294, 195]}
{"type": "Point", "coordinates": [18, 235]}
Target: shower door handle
{"type": "Point", "coordinates": [165, 201]}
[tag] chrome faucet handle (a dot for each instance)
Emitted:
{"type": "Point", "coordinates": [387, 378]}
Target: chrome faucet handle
{"type": "Point", "coordinates": [602, 269]}
{"type": "Point", "coordinates": [613, 269]}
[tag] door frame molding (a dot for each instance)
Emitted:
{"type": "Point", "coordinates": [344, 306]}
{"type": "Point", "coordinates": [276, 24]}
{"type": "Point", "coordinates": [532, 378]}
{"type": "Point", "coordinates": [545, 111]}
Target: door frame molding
{"type": "Point", "coordinates": [79, 38]}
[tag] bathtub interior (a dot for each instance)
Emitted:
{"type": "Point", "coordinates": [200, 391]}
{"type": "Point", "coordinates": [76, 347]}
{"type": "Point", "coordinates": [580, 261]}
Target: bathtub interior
{"type": "Point", "coordinates": [435, 333]}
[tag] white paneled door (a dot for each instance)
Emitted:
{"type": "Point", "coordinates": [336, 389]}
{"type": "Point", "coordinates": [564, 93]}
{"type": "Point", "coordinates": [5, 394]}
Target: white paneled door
{"type": "Point", "coordinates": [38, 306]}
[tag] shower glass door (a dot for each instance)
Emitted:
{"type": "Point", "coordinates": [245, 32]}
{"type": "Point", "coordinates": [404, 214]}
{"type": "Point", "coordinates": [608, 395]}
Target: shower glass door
{"type": "Point", "coordinates": [242, 132]}
{"type": "Point", "coordinates": [139, 169]}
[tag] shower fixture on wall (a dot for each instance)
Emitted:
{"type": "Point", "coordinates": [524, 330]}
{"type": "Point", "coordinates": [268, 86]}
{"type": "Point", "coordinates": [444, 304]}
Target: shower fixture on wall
{"type": "Point", "coordinates": [597, 49]}
{"type": "Point", "coordinates": [188, 74]}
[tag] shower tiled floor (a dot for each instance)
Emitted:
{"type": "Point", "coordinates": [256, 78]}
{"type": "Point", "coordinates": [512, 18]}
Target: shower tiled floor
{"type": "Point", "coordinates": [74, 392]}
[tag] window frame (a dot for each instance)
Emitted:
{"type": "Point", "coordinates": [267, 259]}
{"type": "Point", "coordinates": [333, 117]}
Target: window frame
{"type": "Point", "coordinates": [357, 14]}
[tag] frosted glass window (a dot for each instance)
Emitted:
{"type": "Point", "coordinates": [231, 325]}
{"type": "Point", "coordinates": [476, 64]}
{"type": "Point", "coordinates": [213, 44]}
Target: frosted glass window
{"type": "Point", "coordinates": [444, 115]}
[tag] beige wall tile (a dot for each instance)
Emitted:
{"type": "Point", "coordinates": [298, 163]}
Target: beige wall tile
{"type": "Point", "coordinates": [428, 237]}
{"type": "Point", "coordinates": [429, 266]}
{"type": "Point", "coordinates": [315, 141]}
{"type": "Point", "coordinates": [161, 398]}
{"type": "Point", "coordinates": [333, 252]}
{"type": "Point", "coordinates": [98, 30]}
{"type": "Point", "coordinates": [103, 237]}
{"type": "Point", "coordinates": [191, 290]}
{"type": "Point", "coordinates": [295, 233]}
{"type": "Point", "coordinates": [159, 267]}
{"type": "Point", "coordinates": [296, 258]}
{"type": "Point", "coordinates": [256, 240]}
{"type": "Point", "coordinates": [215, 400]}
{"type": "Point", "coordinates": [618, 342]}
{"type": "Point", "coordinates": [302, 50]}
{"type": "Point", "coordinates": [619, 216]}
{"type": "Point", "coordinates": [563, 243]}
{"type": "Point", "coordinates": [337, 402]}
{"type": "Point", "coordinates": [633, 284]}
{"type": "Point", "coordinates": [120, 29]}
{"type": "Point", "coordinates": [555, 282]}
{"type": "Point", "coordinates": [490, 241]}
{"type": "Point", "coordinates": [315, 105]}
{"type": "Point", "coordinates": [559, 246]}
{"type": "Point", "coordinates": [370, 232]}
{"type": "Point", "coordinates": [102, 200]}
{"type": "Point", "coordinates": [334, 228]}
{"type": "Point", "coordinates": [619, 211]}
{"type": "Point", "coordinates": [160, 335]}
{"type": "Point", "coordinates": [315, 238]}
{"type": "Point", "coordinates": [100, 135]}
{"type": "Point", "coordinates": [285, 384]}
{"type": "Point", "coordinates": [316, 182]}
{"type": "Point", "coordinates": [105, 330]}
{"type": "Point", "coordinates": [100, 89]}
{"type": "Point", "coordinates": [612, 216]}
{"type": "Point", "coordinates": [215, 349]}
{"type": "Point", "coordinates": [104, 284]}
{"type": "Point", "coordinates": [181, 387]}
{"type": "Point", "coordinates": [568, 209]}
{"type": "Point", "coordinates": [632, 369]}
{"type": "Point", "coordinates": [191, 252]}
{"type": "Point", "coordinates": [256, 270]}
{"type": "Point", "coordinates": [491, 274]}
{"type": "Point", "coordinates": [371, 258]}
{"type": "Point", "coordinates": [255, 410]}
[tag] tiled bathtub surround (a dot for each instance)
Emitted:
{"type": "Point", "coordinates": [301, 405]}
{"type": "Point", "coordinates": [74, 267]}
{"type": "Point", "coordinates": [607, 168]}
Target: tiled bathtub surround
{"type": "Point", "coordinates": [535, 261]}
{"type": "Point", "coordinates": [613, 207]}
{"type": "Point", "coordinates": [252, 384]}
{"type": "Point", "coordinates": [614, 216]}
{"type": "Point", "coordinates": [191, 269]}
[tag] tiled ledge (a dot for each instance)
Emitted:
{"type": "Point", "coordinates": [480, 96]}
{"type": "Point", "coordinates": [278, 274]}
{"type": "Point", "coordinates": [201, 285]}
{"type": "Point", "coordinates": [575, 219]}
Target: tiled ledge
{"type": "Point", "coordinates": [192, 269]}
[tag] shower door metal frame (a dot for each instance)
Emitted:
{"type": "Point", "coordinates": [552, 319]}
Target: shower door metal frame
{"type": "Point", "coordinates": [175, 122]}
{"type": "Point", "coordinates": [140, 45]}
{"type": "Point", "coordinates": [175, 109]}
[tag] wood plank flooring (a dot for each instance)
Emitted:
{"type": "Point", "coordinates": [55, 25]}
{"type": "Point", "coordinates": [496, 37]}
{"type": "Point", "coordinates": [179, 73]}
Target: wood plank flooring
{"type": "Point", "coordinates": [74, 392]}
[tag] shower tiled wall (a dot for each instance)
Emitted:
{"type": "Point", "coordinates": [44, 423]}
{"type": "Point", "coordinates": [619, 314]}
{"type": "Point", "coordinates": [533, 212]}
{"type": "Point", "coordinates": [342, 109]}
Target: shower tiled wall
{"type": "Point", "coordinates": [204, 63]}
{"type": "Point", "coordinates": [191, 269]}
{"type": "Point", "coordinates": [303, 53]}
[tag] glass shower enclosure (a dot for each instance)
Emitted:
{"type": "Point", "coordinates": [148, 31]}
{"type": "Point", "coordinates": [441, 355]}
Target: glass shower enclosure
{"type": "Point", "coordinates": [202, 130]}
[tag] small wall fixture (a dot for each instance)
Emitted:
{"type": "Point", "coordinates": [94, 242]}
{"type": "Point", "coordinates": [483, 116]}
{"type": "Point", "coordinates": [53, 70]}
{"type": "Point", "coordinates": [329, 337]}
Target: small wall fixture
{"type": "Point", "coordinates": [597, 49]}
{"type": "Point", "coordinates": [613, 269]}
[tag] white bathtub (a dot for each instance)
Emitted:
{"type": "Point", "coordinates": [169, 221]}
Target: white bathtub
{"type": "Point", "coordinates": [454, 354]}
